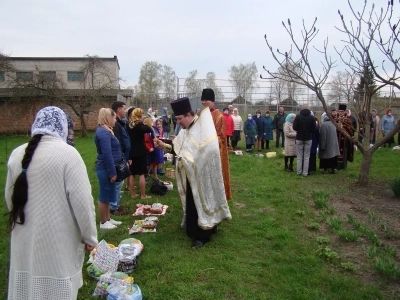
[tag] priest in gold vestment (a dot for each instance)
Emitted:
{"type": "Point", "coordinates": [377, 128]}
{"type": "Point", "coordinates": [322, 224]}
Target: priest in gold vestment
{"type": "Point", "coordinates": [198, 172]}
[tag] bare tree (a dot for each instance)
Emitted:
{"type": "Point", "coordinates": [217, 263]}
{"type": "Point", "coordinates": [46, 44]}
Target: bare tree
{"type": "Point", "coordinates": [6, 66]}
{"type": "Point", "coordinates": [96, 83]}
{"type": "Point", "coordinates": [150, 82]}
{"type": "Point", "coordinates": [363, 34]}
{"type": "Point", "coordinates": [168, 78]}
{"type": "Point", "coordinates": [291, 85]}
{"type": "Point", "coordinates": [278, 90]}
{"type": "Point", "coordinates": [244, 80]}
{"type": "Point", "coordinates": [341, 87]}
{"type": "Point", "coordinates": [193, 86]}
{"type": "Point", "coordinates": [209, 82]}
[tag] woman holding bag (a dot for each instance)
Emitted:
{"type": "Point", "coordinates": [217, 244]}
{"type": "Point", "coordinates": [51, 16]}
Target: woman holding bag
{"type": "Point", "coordinates": [108, 155]}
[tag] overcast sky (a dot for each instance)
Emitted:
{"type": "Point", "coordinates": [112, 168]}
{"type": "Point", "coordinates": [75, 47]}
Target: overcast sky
{"type": "Point", "coordinates": [207, 35]}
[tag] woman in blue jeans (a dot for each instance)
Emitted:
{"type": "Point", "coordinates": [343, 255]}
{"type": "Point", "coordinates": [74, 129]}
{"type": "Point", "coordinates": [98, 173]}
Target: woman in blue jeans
{"type": "Point", "coordinates": [108, 154]}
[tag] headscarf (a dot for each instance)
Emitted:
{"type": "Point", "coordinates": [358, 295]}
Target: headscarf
{"type": "Point", "coordinates": [387, 112]}
{"type": "Point", "coordinates": [52, 121]}
{"type": "Point", "coordinates": [289, 117]}
{"type": "Point", "coordinates": [104, 119]}
{"type": "Point", "coordinates": [165, 111]}
{"type": "Point", "coordinates": [250, 121]}
{"type": "Point", "coordinates": [235, 110]}
{"type": "Point", "coordinates": [325, 117]}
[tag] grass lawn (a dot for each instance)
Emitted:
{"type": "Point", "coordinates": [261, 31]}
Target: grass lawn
{"type": "Point", "coordinates": [271, 249]}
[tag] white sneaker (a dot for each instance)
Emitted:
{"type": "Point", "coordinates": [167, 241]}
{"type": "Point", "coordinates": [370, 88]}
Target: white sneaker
{"type": "Point", "coordinates": [115, 222]}
{"type": "Point", "coordinates": [107, 225]}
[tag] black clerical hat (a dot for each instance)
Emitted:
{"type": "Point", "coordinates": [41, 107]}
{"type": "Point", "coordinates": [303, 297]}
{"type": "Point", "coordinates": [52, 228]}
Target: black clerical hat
{"type": "Point", "coordinates": [181, 106]}
{"type": "Point", "coordinates": [208, 94]}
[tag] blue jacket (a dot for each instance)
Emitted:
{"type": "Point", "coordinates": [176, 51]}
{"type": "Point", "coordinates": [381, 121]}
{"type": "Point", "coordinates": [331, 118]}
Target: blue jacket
{"type": "Point", "coordinates": [387, 123]}
{"type": "Point", "coordinates": [108, 151]}
{"type": "Point", "coordinates": [268, 127]}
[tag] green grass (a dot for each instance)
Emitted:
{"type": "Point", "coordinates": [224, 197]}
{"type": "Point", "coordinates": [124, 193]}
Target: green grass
{"type": "Point", "coordinates": [265, 252]}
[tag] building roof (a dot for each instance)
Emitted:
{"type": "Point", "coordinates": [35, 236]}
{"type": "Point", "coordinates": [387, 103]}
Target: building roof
{"type": "Point", "coordinates": [115, 58]}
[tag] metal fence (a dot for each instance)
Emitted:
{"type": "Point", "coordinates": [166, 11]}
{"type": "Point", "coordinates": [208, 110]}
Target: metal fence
{"type": "Point", "coordinates": [263, 98]}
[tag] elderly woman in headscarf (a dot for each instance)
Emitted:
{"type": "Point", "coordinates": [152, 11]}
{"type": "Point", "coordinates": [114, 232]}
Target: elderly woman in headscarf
{"type": "Point", "coordinates": [109, 154]}
{"type": "Point", "coordinates": [52, 217]}
{"type": "Point", "coordinates": [328, 146]}
{"type": "Point", "coordinates": [250, 132]}
{"type": "Point", "coordinates": [290, 142]}
{"type": "Point", "coordinates": [138, 155]}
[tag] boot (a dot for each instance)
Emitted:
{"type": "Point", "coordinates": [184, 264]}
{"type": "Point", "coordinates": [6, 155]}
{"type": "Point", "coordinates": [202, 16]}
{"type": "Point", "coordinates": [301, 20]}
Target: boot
{"type": "Point", "coordinates": [287, 168]}
{"type": "Point", "coordinates": [291, 168]}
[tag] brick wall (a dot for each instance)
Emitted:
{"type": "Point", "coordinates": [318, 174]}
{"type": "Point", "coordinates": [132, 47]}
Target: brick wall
{"type": "Point", "coordinates": [18, 116]}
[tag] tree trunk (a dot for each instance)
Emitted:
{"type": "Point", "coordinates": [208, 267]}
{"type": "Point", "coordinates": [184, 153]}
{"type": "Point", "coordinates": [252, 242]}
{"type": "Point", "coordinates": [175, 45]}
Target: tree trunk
{"type": "Point", "coordinates": [366, 161]}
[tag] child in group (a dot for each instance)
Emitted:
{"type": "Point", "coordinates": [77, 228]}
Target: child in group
{"type": "Point", "coordinates": [157, 156]}
{"type": "Point", "coordinates": [148, 140]}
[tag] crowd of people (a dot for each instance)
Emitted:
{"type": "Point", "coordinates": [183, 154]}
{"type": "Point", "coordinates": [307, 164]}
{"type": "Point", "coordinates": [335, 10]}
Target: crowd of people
{"type": "Point", "coordinates": [200, 146]}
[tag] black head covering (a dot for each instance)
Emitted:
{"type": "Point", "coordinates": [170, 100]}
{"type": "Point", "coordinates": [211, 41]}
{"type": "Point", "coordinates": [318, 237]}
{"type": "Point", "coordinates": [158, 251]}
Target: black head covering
{"type": "Point", "coordinates": [181, 106]}
{"type": "Point", "coordinates": [342, 106]}
{"type": "Point", "coordinates": [208, 94]}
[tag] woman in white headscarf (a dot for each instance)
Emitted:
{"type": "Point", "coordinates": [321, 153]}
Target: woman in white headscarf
{"type": "Point", "coordinates": [51, 218]}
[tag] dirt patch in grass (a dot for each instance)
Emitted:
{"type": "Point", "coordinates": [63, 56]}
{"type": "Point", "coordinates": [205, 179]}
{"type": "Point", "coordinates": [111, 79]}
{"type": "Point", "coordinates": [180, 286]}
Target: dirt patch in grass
{"type": "Point", "coordinates": [375, 207]}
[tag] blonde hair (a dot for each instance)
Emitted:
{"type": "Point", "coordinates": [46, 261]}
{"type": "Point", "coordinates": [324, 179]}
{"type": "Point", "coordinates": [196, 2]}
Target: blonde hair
{"type": "Point", "coordinates": [148, 121]}
{"type": "Point", "coordinates": [136, 116]}
{"type": "Point", "coordinates": [105, 116]}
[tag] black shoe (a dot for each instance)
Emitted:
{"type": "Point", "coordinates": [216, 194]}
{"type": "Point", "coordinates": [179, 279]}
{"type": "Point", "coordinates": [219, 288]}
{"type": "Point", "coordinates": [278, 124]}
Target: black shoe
{"type": "Point", "coordinates": [287, 169]}
{"type": "Point", "coordinates": [198, 244]}
{"type": "Point", "coordinates": [291, 168]}
{"type": "Point", "coordinates": [214, 230]}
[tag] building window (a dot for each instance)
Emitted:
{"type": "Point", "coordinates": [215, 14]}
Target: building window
{"type": "Point", "coordinates": [48, 74]}
{"type": "Point", "coordinates": [25, 76]}
{"type": "Point", "coordinates": [2, 78]}
{"type": "Point", "coordinates": [75, 76]}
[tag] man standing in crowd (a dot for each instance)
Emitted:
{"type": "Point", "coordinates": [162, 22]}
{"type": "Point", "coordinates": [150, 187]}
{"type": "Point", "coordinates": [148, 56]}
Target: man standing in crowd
{"type": "Point", "coordinates": [230, 107]}
{"type": "Point", "coordinates": [304, 124]}
{"type": "Point", "coordinates": [198, 172]}
{"type": "Point", "coordinates": [120, 133]}
{"type": "Point", "coordinates": [208, 100]}
{"type": "Point", "coordinates": [279, 120]}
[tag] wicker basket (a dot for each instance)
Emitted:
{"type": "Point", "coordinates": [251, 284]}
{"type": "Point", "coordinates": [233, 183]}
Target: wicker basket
{"type": "Point", "coordinates": [170, 173]}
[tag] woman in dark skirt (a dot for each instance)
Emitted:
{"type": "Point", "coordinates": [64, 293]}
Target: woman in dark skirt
{"type": "Point", "coordinates": [328, 146]}
{"type": "Point", "coordinates": [237, 128]}
{"type": "Point", "coordinates": [138, 154]}
{"type": "Point", "coordinates": [312, 167]}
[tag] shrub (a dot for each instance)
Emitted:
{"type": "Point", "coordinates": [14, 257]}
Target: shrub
{"type": "Point", "coordinates": [386, 266]}
{"type": "Point", "coordinates": [334, 223]}
{"type": "Point", "coordinates": [313, 226]}
{"type": "Point", "coordinates": [348, 235]}
{"type": "Point", "coordinates": [395, 186]}
{"type": "Point", "coordinates": [323, 240]}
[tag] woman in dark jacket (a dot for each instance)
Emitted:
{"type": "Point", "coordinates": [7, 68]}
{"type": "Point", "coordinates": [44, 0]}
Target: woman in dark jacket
{"type": "Point", "coordinates": [268, 128]}
{"type": "Point", "coordinates": [166, 122]}
{"type": "Point", "coordinates": [312, 166]}
{"type": "Point", "coordinates": [260, 129]}
{"type": "Point", "coordinates": [138, 155]}
{"type": "Point", "coordinates": [250, 132]}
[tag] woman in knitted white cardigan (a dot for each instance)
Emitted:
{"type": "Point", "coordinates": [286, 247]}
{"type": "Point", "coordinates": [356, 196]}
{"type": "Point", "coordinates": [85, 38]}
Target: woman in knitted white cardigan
{"type": "Point", "coordinates": [52, 216]}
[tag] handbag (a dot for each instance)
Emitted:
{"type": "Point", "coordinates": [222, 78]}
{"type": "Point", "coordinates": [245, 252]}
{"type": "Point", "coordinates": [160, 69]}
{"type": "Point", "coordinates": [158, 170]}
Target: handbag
{"type": "Point", "coordinates": [123, 171]}
{"type": "Point", "coordinates": [158, 187]}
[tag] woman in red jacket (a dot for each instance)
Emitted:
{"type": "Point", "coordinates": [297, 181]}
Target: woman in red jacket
{"type": "Point", "coordinates": [229, 125]}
